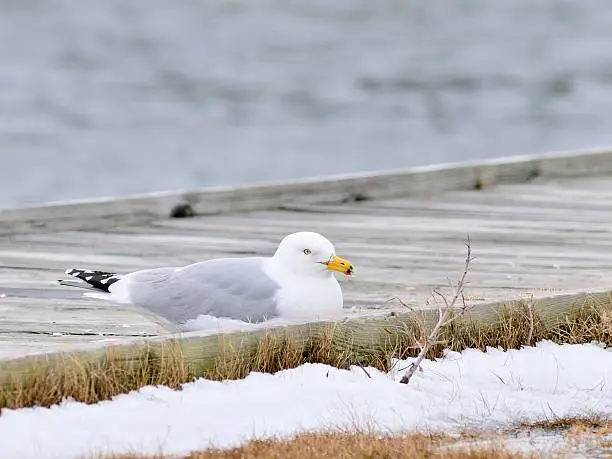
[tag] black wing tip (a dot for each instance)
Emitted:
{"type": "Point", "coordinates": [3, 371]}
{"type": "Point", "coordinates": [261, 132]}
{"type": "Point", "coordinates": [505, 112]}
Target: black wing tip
{"type": "Point", "coordinates": [79, 271]}
{"type": "Point", "coordinates": [101, 280]}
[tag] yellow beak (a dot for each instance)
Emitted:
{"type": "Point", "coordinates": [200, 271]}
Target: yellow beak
{"type": "Point", "coordinates": [340, 265]}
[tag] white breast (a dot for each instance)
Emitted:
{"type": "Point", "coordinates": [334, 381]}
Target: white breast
{"type": "Point", "coordinates": [315, 299]}
{"type": "Point", "coordinates": [308, 298]}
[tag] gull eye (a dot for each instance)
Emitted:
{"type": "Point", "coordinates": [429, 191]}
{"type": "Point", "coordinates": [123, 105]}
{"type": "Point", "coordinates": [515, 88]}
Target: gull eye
{"type": "Point", "coordinates": [307, 252]}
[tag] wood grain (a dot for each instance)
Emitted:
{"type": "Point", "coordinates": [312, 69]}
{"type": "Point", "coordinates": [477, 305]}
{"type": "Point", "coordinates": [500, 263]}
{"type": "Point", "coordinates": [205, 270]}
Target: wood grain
{"type": "Point", "coordinates": [530, 235]}
{"type": "Point", "coordinates": [419, 181]}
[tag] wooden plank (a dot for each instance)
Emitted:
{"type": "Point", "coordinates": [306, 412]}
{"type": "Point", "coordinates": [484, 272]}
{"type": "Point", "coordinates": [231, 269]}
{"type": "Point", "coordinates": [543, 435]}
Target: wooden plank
{"type": "Point", "coordinates": [394, 259]}
{"type": "Point", "coordinates": [383, 217]}
{"type": "Point", "coordinates": [364, 335]}
{"type": "Point", "coordinates": [410, 229]}
{"type": "Point", "coordinates": [418, 181]}
{"type": "Point", "coordinates": [354, 243]}
{"type": "Point", "coordinates": [452, 207]}
{"type": "Point", "coordinates": [456, 230]}
{"type": "Point", "coordinates": [82, 315]}
{"type": "Point", "coordinates": [205, 232]}
{"type": "Point", "coordinates": [405, 256]}
{"type": "Point", "coordinates": [19, 344]}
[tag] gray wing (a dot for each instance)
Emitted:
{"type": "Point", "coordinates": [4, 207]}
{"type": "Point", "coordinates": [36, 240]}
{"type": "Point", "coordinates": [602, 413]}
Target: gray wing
{"type": "Point", "coordinates": [235, 288]}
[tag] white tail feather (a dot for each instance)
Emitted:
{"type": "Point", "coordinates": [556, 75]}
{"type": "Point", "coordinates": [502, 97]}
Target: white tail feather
{"type": "Point", "coordinates": [76, 283]}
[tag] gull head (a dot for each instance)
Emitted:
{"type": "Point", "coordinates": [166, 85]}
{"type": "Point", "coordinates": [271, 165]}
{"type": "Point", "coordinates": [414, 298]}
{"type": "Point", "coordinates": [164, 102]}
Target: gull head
{"type": "Point", "coordinates": [308, 253]}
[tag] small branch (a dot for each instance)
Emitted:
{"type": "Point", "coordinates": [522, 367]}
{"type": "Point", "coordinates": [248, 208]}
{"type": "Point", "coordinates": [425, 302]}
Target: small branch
{"type": "Point", "coordinates": [444, 316]}
{"type": "Point", "coordinates": [531, 320]}
{"type": "Point", "coordinates": [364, 370]}
{"type": "Point", "coordinates": [438, 293]}
{"type": "Point", "coordinates": [400, 302]}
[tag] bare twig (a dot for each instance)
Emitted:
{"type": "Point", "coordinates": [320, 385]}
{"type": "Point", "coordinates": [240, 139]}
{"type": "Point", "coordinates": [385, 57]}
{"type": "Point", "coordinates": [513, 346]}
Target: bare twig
{"type": "Point", "coordinates": [531, 320]}
{"type": "Point", "coordinates": [401, 302]}
{"type": "Point", "coordinates": [438, 293]}
{"type": "Point", "coordinates": [364, 370]}
{"type": "Point", "coordinates": [445, 316]}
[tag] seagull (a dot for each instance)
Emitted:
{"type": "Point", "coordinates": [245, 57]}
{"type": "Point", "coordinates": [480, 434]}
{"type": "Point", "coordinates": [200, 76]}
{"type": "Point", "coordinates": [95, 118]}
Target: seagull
{"type": "Point", "coordinates": [297, 282]}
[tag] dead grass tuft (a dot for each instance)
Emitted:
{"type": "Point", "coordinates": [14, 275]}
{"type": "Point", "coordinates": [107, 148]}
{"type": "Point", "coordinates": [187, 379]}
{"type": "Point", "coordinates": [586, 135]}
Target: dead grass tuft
{"type": "Point", "coordinates": [588, 433]}
{"type": "Point", "coordinates": [91, 382]}
{"type": "Point", "coordinates": [276, 352]}
{"type": "Point", "coordinates": [515, 327]}
{"type": "Point", "coordinates": [577, 423]}
{"type": "Point", "coordinates": [353, 446]}
{"type": "Point", "coordinates": [520, 326]}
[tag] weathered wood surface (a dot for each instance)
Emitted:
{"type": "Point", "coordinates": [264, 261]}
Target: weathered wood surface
{"type": "Point", "coordinates": [418, 181]}
{"type": "Point", "coordinates": [547, 236]}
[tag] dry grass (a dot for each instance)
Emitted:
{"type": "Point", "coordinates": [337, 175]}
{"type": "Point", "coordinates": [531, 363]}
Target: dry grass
{"type": "Point", "coordinates": [519, 326]}
{"type": "Point", "coordinates": [275, 352]}
{"type": "Point", "coordinates": [94, 381]}
{"type": "Point", "coordinates": [353, 446]}
{"type": "Point", "coordinates": [580, 423]}
{"type": "Point", "coordinates": [589, 433]}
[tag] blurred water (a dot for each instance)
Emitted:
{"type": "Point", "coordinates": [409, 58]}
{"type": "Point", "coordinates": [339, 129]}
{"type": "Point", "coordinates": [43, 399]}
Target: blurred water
{"type": "Point", "coordinates": [115, 97]}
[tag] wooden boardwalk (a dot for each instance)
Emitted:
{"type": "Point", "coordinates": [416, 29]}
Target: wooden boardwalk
{"type": "Point", "coordinates": [546, 233]}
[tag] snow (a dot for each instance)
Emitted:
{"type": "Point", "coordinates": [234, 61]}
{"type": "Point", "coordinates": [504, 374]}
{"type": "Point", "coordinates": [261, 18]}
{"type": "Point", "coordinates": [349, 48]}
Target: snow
{"type": "Point", "coordinates": [208, 323]}
{"type": "Point", "coordinates": [468, 389]}
{"type": "Point", "coordinates": [211, 324]}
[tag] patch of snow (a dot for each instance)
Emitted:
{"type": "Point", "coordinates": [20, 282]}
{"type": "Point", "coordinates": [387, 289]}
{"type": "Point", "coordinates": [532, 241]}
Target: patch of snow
{"type": "Point", "coordinates": [211, 323]}
{"type": "Point", "coordinates": [468, 389]}
{"type": "Point", "coordinates": [206, 323]}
